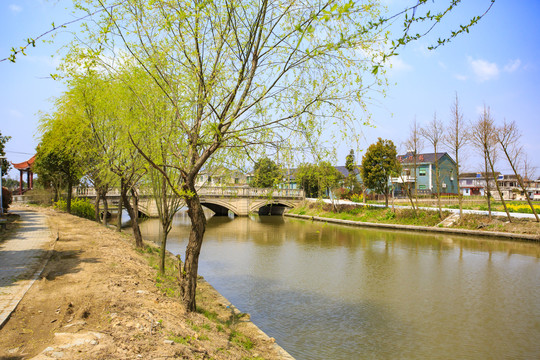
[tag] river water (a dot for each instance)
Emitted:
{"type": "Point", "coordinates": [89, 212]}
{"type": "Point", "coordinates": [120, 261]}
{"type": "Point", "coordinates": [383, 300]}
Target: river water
{"type": "Point", "coordinates": [336, 292]}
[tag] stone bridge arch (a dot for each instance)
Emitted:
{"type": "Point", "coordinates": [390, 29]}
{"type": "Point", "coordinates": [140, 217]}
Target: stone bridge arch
{"type": "Point", "coordinates": [270, 207]}
{"type": "Point", "coordinates": [220, 207]}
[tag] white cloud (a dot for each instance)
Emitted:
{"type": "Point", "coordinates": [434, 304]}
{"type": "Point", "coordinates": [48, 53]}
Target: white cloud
{"type": "Point", "coordinates": [16, 114]}
{"type": "Point", "coordinates": [461, 77]}
{"type": "Point", "coordinates": [512, 66]}
{"type": "Point", "coordinates": [484, 70]}
{"type": "Point", "coordinates": [15, 8]}
{"type": "Point", "coordinates": [48, 61]}
{"type": "Point", "coordinates": [442, 65]}
{"type": "Point", "coordinates": [479, 109]}
{"type": "Point", "coordinates": [396, 64]}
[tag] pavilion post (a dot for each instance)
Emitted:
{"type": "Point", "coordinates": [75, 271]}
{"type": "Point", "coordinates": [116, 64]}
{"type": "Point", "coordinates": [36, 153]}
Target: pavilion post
{"type": "Point", "coordinates": [20, 182]}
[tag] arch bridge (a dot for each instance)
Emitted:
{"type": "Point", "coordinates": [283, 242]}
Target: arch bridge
{"type": "Point", "coordinates": [241, 201]}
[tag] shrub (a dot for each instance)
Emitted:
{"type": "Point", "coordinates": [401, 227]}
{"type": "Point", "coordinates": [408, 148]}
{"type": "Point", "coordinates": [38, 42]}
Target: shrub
{"type": "Point", "coordinates": [6, 198]}
{"type": "Point", "coordinates": [80, 207]}
{"type": "Point", "coordinates": [40, 196]}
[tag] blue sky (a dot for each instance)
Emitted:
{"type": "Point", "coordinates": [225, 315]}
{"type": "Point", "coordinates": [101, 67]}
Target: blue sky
{"type": "Point", "coordinates": [497, 64]}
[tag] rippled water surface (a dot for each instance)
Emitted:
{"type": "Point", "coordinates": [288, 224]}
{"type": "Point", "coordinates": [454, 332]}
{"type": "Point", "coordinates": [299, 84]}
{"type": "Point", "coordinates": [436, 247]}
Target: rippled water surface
{"type": "Point", "coordinates": [335, 292]}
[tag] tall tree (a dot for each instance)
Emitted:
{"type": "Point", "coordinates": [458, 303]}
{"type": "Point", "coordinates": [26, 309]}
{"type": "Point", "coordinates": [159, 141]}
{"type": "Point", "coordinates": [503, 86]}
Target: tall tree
{"type": "Point", "coordinates": [456, 139]}
{"type": "Point", "coordinates": [508, 137]}
{"type": "Point", "coordinates": [379, 164]}
{"type": "Point", "coordinates": [64, 149]}
{"type": "Point", "coordinates": [414, 144]}
{"type": "Point", "coordinates": [351, 181]}
{"type": "Point", "coordinates": [483, 138]}
{"type": "Point", "coordinates": [238, 73]}
{"type": "Point", "coordinates": [266, 173]}
{"type": "Point", "coordinates": [433, 132]}
{"type": "Point", "coordinates": [109, 108]}
{"type": "Point", "coordinates": [316, 179]}
{"type": "Point", "coordinates": [492, 155]}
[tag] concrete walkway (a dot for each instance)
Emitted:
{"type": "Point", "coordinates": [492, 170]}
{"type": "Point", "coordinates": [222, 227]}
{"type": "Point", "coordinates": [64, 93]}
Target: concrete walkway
{"type": "Point", "coordinates": [22, 259]}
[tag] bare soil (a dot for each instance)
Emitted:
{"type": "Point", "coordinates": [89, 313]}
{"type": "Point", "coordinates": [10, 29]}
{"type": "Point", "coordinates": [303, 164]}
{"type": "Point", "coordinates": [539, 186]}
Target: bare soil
{"type": "Point", "coordinates": [100, 298]}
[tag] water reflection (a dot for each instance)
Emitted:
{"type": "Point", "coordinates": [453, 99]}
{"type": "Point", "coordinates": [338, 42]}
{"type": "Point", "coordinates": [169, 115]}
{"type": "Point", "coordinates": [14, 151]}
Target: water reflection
{"type": "Point", "coordinates": [328, 291]}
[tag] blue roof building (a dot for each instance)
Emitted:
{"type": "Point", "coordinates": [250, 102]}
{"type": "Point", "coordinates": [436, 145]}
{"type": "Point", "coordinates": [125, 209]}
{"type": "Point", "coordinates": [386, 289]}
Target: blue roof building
{"type": "Point", "coordinates": [423, 179]}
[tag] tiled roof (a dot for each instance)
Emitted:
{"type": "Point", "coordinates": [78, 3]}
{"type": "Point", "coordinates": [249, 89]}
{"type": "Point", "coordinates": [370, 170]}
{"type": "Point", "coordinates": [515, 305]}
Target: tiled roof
{"type": "Point", "coordinates": [408, 158]}
{"type": "Point", "coordinates": [25, 165]}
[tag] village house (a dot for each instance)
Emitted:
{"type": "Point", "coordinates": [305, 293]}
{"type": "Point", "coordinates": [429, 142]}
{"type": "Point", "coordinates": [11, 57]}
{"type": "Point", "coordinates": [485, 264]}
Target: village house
{"type": "Point", "coordinates": [221, 177]}
{"type": "Point", "coordinates": [420, 175]}
{"type": "Point", "coordinates": [474, 183]}
{"type": "Point", "coordinates": [511, 189]}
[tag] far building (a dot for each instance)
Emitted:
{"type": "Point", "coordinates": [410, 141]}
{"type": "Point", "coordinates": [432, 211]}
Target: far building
{"type": "Point", "coordinates": [474, 184]}
{"type": "Point", "coordinates": [420, 175]}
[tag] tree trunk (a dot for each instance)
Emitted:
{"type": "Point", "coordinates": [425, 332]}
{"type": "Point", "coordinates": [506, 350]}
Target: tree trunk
{"type": "Point", "coordinates": [460, 196]}
{"type": "Point", "coordinates": [499, 189]}
{"type": "Point", "coordinates": [56, 191]}
{"type": "Point", "coordinates": [68, 199]}
{"type": "Point", "coordinates": [135, 197]}
{"type": "Point", "coordinates": [486, 177]}
{"type": "Point", "coordinates": [96, 207]}
{"type": "Point", "coordinates": [163, 242]}
{"type": "Point", "coordinates": [188, 277]}
{"type": "Point", "coordinates": [438, 182]}
{"type": "Point", "coordinates": [119, 217]}
{"type": "Point", "coordinates": [408, 191]}
{"type": "Point", "coordinates": [134, 218]}
{"type": "Point", "coordinates": [105, 210]}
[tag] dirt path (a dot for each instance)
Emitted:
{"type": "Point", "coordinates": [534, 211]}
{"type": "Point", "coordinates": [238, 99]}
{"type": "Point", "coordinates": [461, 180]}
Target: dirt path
{"type": "Point", "coordinates": [97, 298]}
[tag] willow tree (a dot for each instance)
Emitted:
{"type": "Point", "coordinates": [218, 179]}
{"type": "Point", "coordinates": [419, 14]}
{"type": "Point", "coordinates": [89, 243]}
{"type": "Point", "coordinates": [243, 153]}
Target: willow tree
{"type": "Point", "coordinates": [240, 73]}
{"type": "Point", "coordinates": [64, 151]}
{"type": "Point", "coordinates": [107, 110]}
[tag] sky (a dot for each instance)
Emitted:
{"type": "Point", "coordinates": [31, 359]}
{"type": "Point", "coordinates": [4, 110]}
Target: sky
{"type": "Point", "coordinates": [497, 65]}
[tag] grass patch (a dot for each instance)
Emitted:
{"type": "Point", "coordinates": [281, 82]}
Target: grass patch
{"type": "Point", "coordinates": [180, 339]}
{"type": "Point", "coordinates": [210, 315]}
{"type": "Point", "coordinates": [241, 340]}
{"type": "Point", "coordinates": [370, 214]}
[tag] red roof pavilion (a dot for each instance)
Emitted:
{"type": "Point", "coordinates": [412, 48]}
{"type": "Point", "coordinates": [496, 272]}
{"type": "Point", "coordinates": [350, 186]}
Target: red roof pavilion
{"type": "Point", "coordinates": [25, 166]}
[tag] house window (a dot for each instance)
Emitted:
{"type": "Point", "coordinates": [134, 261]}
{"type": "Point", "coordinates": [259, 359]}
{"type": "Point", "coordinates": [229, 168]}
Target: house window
{"type": "Point", "coordinates": [406, 172]}
{"type": "Point", "coordinates": [236, 180]}
{"type": "Point", "coordinates": [209, 179]}
{"type": "Point", "coordinates": [422, 172]}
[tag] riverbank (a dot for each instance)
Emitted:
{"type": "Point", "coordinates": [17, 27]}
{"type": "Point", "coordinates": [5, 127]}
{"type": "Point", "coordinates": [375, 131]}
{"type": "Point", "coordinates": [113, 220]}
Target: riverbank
{"type": "Point", "coordinates": [100, 298]}
{"type": "Point", "coordinates": [423, 220]}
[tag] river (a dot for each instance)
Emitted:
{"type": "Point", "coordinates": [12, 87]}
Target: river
{"type": "Point", "coordinates": [328, 291]}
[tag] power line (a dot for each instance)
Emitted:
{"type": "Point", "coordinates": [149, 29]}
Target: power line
{"type": "Point", "coordinates": [17, 152]}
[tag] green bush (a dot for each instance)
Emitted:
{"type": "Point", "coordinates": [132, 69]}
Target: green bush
{"type": "Point", "coordinates": [80, 207]}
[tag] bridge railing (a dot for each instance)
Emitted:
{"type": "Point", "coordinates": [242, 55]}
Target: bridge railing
{"type": "Point", "coordinates": [225, 191]}
{"type": "Point", "coordinates": [237, 191]}
{"type": "Point", "coordinates": [91, 192]}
